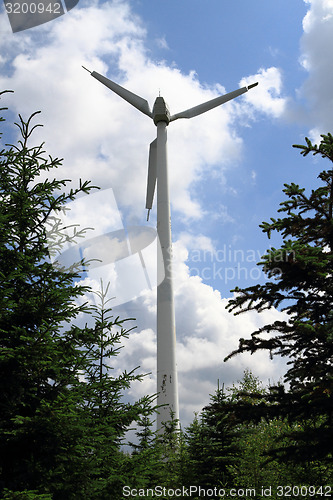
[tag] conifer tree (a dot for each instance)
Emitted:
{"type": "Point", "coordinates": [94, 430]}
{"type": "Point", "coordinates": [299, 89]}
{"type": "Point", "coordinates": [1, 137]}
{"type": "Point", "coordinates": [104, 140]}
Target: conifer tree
{"type": "Point", "coordinates": [300, 284]}
{"type": "Point", "coordinates": [36, 357]}
{"type": "Point", "coordinates": [211, 443]}
{"type": "Point", "coordinates": [62, 418]}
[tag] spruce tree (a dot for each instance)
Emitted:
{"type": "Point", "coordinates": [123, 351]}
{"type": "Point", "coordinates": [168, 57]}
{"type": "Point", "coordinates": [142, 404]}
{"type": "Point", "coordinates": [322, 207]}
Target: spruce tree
{"type": "Point", "coordinates": [211, 442]}
{"type": "Point", "coordinates": [300, 284]}
{"type": "Point", "coordinates": [36, 357]}
{"type": "Point", "coordinates": [62, 417]}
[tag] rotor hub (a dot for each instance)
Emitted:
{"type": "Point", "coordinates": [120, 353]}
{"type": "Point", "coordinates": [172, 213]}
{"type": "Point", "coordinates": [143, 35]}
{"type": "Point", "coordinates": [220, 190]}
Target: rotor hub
{"type": "Point", "coordinates": [161, 111]}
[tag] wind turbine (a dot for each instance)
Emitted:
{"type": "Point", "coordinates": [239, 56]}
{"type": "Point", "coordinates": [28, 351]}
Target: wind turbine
{"type": "Point", "coordinates": [167, 384]}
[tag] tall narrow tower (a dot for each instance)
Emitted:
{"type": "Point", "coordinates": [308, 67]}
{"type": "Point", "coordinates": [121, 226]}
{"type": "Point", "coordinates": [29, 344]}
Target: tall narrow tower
{"type": "Point", "coordinates": [167, 383]}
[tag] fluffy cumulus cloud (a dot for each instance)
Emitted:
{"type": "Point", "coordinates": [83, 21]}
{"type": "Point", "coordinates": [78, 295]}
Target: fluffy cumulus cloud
{"type": "Point", "coordinates": [206, 333]}
{"type": "Point", "coordinates": [317, 60]}
{"type": "Point", "coordinates": [100, 136]}
{"type": "Point", "coordinates": [103, 139]}
{"type": "Point", "coordinates": [267, 98]}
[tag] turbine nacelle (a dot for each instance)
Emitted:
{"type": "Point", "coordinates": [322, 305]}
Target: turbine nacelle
{"type": "Point", "coordinates": [161, 111]}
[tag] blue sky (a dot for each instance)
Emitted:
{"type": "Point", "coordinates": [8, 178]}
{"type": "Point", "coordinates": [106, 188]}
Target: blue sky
{"type": "Point", "coordinates": [227, 167]}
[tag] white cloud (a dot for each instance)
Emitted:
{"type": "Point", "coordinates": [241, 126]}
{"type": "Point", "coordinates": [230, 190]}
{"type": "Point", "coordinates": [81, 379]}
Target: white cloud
{"type": "Point", "coordinates": [206, 333]}
{"type": "Point", "coordinates": [317, 60]}
{"type": "Point", "coordinates": [100, 136]}
{"type": "Point", "coordinates": [162, 43]}
{"type": "Point", "coordinates": [266, 98]}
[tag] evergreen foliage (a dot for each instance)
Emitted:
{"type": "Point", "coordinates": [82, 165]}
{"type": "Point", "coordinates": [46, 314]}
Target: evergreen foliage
{"type": "Point", "coordinates": [62, 415]}
{"type": "Point", "coordinates": [300, 283]}
{"type": "Point", "coordinates": [211, 442]}
{"type": "Point", "coordinates": [246, 463]}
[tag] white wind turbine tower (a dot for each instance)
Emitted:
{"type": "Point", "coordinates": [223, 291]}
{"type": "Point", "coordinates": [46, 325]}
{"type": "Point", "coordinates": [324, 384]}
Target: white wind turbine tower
{"type": "Point", "coordinates": [167, 385]}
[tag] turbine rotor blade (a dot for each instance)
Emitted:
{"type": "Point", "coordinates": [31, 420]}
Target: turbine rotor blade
{"type": "Point", "coordinates": [136, 101]}
{"type": "Point", "coordinates": [213, 103]}
{"type": "Point", "coordinates": [152, 174]}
